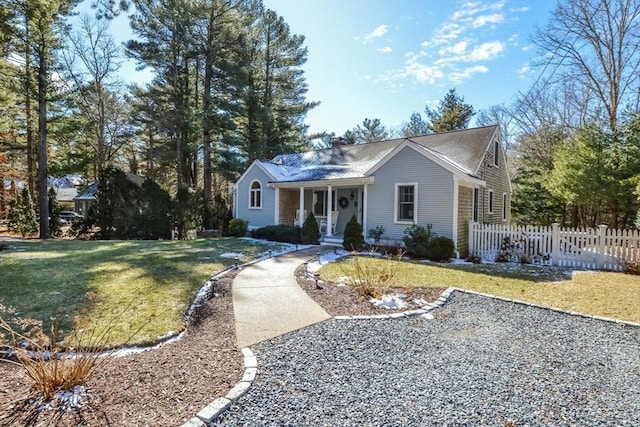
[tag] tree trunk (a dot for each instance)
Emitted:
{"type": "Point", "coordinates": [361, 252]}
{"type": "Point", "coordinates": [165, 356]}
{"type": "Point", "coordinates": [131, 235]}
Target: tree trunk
{"type": "Point", "coordinates": [43, 199]}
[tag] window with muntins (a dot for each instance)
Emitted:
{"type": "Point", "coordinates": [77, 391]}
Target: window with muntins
{"type": "Point", "coordinates": [255, 195]}
{"type": "Point", "coordinates": [406, 196]}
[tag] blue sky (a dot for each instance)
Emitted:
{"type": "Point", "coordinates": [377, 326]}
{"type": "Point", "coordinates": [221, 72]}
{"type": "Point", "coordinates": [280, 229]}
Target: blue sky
{"type": "Point", "coordinates": [388, 58]}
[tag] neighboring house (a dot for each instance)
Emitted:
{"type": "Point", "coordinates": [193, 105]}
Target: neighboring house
{"type": "Point", "coordinates": [87, 197]}
{"type": "Point", "coordinates": [446, 180]}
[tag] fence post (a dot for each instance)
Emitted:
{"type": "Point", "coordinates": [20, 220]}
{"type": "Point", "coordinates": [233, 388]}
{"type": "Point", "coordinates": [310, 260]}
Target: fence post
{"type": "Point", "coordinates": [555, 244]}
{"type": "Point", "coordinates": [602, 248]}
{"type": "Point", "coordinates": [471, 239]}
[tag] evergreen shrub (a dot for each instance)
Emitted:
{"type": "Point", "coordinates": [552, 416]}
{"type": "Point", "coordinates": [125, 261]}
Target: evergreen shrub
{"type": "Point", "coordinates": [310, 233]}
{"type": "Point", "coordinates": [353, 237]}
{"type": "Point", "coordinates": [278, 233]}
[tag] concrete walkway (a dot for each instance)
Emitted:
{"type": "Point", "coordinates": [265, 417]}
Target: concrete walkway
{"type": "Point", "coordinates": [268, 302]}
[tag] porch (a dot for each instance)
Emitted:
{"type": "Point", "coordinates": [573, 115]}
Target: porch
{"type": "Point", "coordinates": [332, 205]}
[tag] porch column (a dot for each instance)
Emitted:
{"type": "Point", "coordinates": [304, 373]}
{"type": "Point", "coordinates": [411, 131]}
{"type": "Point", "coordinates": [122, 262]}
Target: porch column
{"type": "Point", "coordinates": [329, 211]}
{"type": "Point", "coordinates": [276, 213]}
{"type": "Point", "coordinates": [301, 207]}
{"type": "Point", "coordinates": [364, 208]}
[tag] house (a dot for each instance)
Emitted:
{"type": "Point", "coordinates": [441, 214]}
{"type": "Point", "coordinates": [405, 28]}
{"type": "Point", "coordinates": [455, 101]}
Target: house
{"type": "Point", "coordinates": [446, 180]}
{"type": "Point", "coordinates": [87, 198]}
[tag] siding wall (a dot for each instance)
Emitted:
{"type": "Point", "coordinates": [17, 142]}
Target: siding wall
{"type": "Point", "coordinates": [256, 217]}
{"type": "Point", "coordinates": [497, 179]}
{"type": "Point", "coordinates": [435, 194]}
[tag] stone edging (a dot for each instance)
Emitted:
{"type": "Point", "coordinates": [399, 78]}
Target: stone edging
{"type": "Point", "coordinates": [213, 410]}
{"type": "Point", "coordinates": [216, 408]}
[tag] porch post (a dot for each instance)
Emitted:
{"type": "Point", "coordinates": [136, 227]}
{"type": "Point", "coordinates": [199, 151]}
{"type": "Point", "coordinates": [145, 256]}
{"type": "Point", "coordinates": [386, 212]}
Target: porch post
{"type": "Point", "coordinates": [301, 207]}
{"type": "Point", "coordinates": [364, 208]}
{"type": "Point", "coordinates": [276, 213]}
{"type": "Point", "coordinates": [329, 211]}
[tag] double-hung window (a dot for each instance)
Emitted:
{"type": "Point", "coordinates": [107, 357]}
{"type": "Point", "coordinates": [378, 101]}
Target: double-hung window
{"type": "Point", "coordinates": [255, 195]}
{"type": "Point", "coordinates": [406, 203]}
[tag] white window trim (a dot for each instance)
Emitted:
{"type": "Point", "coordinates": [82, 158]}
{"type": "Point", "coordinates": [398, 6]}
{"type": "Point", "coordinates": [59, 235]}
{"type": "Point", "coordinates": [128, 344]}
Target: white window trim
{"type": "Point", "coordinates": [251, 190]}
{"type": "Point", "coordinates": [504, 206]}
{"type": "Point", "coordinates": [415, 203]}
{"type": "Point", "coordinates": [490, 202]}
{"type": "Point", "coordinates": [496, 153]}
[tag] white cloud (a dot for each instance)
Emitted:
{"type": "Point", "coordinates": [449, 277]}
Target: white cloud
{"type": "Point", "coordinates": [457, 49]}
{"type": "Point", "coordinates": [471, 8]}
{"type": "Point", "coordinates": [385, 49]}
{"type": "Point", "coordinates": [483, 20]}
{"type": "Point", "coordinates": [423, 73]}
{"type": "Point", "coordinates": [378, 32]}
{"type": "Point", "coordinates": [486, 51]}
{"type": "Point", "coordinates": [443, 35]}
{"type": "Point", "coordinates": [460, 76]}
{"type": "Point", "coordinates": [522, 71]}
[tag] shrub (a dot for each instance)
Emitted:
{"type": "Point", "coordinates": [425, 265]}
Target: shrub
{"type": "Point", "coordinates": [441, 248]}
{"type": "Point", "coordinates": [278, 233]}
{"type": "Point", "coordinates": [155, 208]}
{"type": "Point", "coordinates": [188, 210]}
{"type": "Point", "coordinates": [632, 267]}
{"type": "Point", "coordinates": [353, 238]}
{"type": "Point", "coordinates": [238, 227]}
{"type": "Point", "coordinates": [376, 233]}
{"type": "Point", "coordinates": [310, 233]}
{"type": "Point", "coordinates": [416, 239]}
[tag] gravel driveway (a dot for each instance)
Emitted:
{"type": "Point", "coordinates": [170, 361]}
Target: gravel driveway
{"type": "Point", "coordinates": [479, 362]}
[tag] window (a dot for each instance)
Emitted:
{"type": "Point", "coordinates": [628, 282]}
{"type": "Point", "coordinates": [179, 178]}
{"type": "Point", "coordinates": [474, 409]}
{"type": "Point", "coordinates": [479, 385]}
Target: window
{"type": "Point", "coordinates": [320, 202]}
{"type": "Point", "coordinates": [504, 206]}
{"type": "Point", "coordinates": [406, 203]}
{"type": "Point", "coordinates": [255, 195]}
{"type": "Point", "coordinates": [490, 201]}
{"type": "Point", "coordinates": [475, 204]}
{"type": "Point", "coordinates": [496, 152]}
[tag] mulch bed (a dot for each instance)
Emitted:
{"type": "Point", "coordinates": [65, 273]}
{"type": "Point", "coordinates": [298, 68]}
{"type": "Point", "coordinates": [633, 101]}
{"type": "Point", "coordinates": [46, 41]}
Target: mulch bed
{"type": "Point", "coordinates": [166, 386]}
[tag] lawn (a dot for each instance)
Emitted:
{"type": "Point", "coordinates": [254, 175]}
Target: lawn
{"type": "Point", "coordinates": [608, 294]}
{"type": "Point", "coordinates": [87, 283]}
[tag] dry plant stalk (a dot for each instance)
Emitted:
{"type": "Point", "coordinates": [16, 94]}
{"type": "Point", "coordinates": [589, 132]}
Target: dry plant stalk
{"type": "Point", "coordinates": [52, 365]}
{"type": "Point", "coordinates": [367, 276]}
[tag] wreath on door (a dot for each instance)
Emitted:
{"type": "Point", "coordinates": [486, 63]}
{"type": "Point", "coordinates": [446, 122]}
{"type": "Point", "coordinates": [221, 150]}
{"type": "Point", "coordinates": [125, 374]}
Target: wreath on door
{"type": "Point", "coordinates": [343, 202]}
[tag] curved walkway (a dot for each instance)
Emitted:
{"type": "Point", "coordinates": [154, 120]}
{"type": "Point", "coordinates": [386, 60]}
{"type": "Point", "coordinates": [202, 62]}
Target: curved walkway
{"type": "Point", "coordinates": [268, 302]}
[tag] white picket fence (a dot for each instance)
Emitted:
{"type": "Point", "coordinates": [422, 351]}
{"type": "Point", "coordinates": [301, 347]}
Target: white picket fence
{"type": "Point", "coordinates": [599, 248]}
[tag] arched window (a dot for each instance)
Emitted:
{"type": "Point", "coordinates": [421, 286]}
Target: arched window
{"type": "Point", "coordinates": [255, 195]}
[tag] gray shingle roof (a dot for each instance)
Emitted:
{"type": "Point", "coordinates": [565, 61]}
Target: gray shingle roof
{"type": "Point", "coordinates": [463, 149]}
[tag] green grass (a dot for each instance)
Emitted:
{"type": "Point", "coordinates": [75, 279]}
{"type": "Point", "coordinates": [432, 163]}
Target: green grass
{"type": "Point", "coordinates": [614, 295]}
{"type": "Point", "coordinates": [85, 284]}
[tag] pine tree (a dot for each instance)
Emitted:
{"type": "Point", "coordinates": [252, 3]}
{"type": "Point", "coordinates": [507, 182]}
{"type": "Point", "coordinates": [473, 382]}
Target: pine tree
{"type": "Point", "coordinates": [55, 228]}
{"type": "Point", "coordinates": [22, 215]}
{"type": "Point", "coordinates": [452, 114]}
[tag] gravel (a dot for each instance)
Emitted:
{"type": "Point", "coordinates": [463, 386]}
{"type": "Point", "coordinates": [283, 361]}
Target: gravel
{"type": "Point", "coordinates": [479, 362]}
